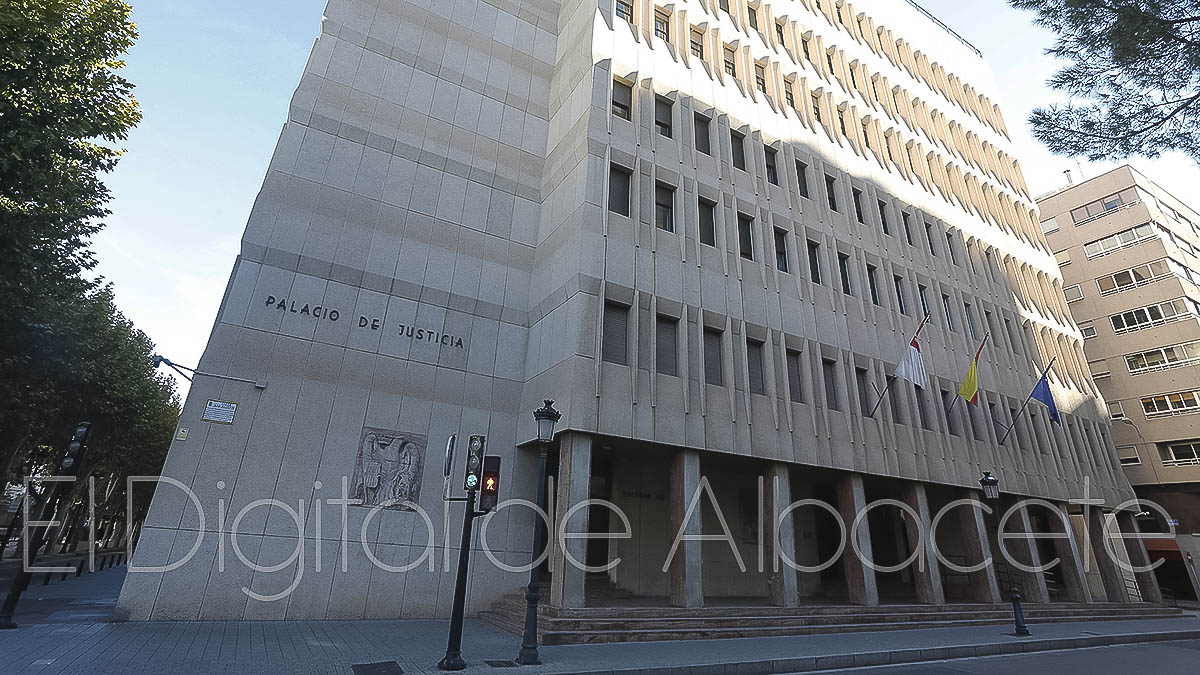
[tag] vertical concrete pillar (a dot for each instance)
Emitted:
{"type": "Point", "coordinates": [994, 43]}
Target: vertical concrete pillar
{"type": "Point", "coordinates": [1071, 559]}
{"type": "Point", "coordinates": [860, 579]}
{"type": "Point", "coordinates": [687, 581]}
{"type": "Point", "coordinates": [1110, 572]}
{"type": "Point", "coordinates": [978, 547]}
{"type": "Point", "coordinates": [574, 479]}
{"type": "Point", "coordinates": [927, 571]}
{"type": "Point", "coordinates": [1033, 584]}
{"type": "Point", "coordinates": [1146, 581]}
{"type": "Point", "coordinates": [781, 541]}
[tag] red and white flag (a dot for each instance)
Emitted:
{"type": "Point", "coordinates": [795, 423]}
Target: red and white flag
{"type": "Point", "coordinates": [912, 366]}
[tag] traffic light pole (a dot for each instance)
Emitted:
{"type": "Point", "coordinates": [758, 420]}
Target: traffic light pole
{"type": "Point", "coordinates": [453, 659]}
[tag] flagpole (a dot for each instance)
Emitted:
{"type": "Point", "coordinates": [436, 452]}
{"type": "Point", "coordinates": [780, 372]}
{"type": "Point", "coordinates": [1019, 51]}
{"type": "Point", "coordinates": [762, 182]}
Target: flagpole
{"type": "Point", "coordinates": [954, 401]}
{"type": "Point", "coordinates": [892, 378]}
{"type": "Point", "coordinates": [1027, 399]}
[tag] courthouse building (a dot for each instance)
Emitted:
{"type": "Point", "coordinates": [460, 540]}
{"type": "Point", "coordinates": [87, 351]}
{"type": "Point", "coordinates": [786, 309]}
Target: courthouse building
{"type": "Point", "coordinates": [1130, 258]}
{"type": "Point", "coordinates": [708, 229]}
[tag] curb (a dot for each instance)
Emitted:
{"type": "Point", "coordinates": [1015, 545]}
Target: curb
{"type": "Point", "coordinates": [802, 664]}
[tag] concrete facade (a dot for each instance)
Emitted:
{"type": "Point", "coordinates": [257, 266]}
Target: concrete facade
{"type": "Point", "coordinates": [707, 233]}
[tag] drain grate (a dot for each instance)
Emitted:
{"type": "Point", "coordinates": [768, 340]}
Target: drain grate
{"type": "Point", "coordinates": [381, 668]}
{"type": "Point", "coordinates": [501, 663]}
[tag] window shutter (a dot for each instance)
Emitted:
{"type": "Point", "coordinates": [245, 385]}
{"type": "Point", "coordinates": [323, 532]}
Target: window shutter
{"type": "Point", "coordinates": [614, 346]}
{"type": "Point", "coordinates": [712, 358]}
{"type": "Point", "coordinates": [754, 363]}
{"type": "Point", "coordinates": [667, 346]}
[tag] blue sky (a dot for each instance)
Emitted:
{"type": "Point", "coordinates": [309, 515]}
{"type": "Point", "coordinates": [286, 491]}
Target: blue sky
{"type": "Point", "coordinates": [214, 78]}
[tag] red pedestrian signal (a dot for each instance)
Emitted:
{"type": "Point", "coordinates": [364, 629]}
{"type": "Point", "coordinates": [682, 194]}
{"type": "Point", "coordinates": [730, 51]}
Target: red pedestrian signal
{"type": "Point", "coordinates": [490, 484]}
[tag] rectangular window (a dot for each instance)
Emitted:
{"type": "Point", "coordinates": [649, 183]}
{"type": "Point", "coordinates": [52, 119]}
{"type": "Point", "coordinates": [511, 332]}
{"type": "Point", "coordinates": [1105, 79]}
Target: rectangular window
{"type": "Point", "coordinates": [844, 273]}
{"type": "Point", "coordinates": [864, 393]}
{"type": "Point", "coordinates": [814, 262]}
{"type": "Point", "coordinates": [779, 33]}
{"type": "Point", "coordinates": [1073, 293]}
{"type": "Point", "coordinates": [662, 116]}
{"type": "Point", "coordinates": [907, 230]}
{"type": "Point", "coordinates": [1113, 242]}
{"type": "Point", "coordinates": [806, 47]}
{"type": "Point", "coordinates": [760, 78]}
{"type": "Point", "coordinates": [708, 223]}
{"type": "Point", "coordinates": [622, 100]}
{"type": "Point", "coordinates": [929, 238]}
{"type": "Point", "coordinates": [788, 95]}
{"type": "Point", "coordinates": [664, 207]}
{"type": "Point", "coordinates": [713, 357]}
{"type": "Point", "coordinates": [901, 301]}
{"type": "Point", "coordinates": [883, 218]}
{"type": "Point", "coordinates": [829, 373]}
{"type": "Point", "coordinates": [1087, 329]}
{"type": "Point", "coordinates": [618, 189]}
{"type": "Point", "coordinates": [946, 310]}
{"type": "Point", "coordinates": [746, 236]}
{"type": "Point", "coordinates": [737, 145]}
{"type": "Point", "coordinates": [950, 419]}
{"type": "Point", "coordinates": [794, 372]}
{"type": "Point", "coordinates": [950, 248]}
{"type": "Point", "coordinates": [666, 344]}
{"type": "Point", "coordinates": [842, 123]}
{"type": "Point", "coordinates": [873, 284]}
{"type": "Point", "coordinates": [816, 108]}
{"type": "Point", "coordinates": [1163, 358]}
{"type": "Point", "coordinates": [730, 63]}
{"type": "Point", "coordinates": [772, 167]}
{"type": "Point", "coordinates": [752, 15]}
{"type": "Point", "coordinates": [662, 25]}
{"type": "Point", "coordinates": [625, 10]}
{"type": "Point", "coordinates": [802, 178]}
{"type": "Point", "coordinates": [922, 409]}
{"type": "Point", "coordinates": [970, 314]}
{"type": "Point", "coordinates": [724, 5]}
{"type": "Point", "coordinates": [1151, 315]}
{"type": "Point", "coordinates": [1181, 403]}
{"type": "Point", "coordinates": [1063, 258]}
{"type": "Point", "coordinates": [702, 134]}
{"type": "Point", "coordinates": [754, 364]}
{"type": "Point", "coordinates": [831, 192]}
{"type": "Point", "coordinates": [781, 252]}
{"type": "Point", "coordinates": [614, 346]}
{"type": "Point", "coordinates": [922, 293]}
{"type": "Point", "coordinates": [1128, 454]}
{"type": "Point", "coordinates": [697, 44]}
{"type": "Point", "coordinates": [858, 210]}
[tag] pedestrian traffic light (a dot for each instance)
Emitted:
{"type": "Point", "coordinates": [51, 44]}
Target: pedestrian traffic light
{"type": "Point", "coordinates": [73, 457]}
{"type": "Point", "coordinates": [490, 492]}
{"type": "Point", "coordinates": [475, 448]}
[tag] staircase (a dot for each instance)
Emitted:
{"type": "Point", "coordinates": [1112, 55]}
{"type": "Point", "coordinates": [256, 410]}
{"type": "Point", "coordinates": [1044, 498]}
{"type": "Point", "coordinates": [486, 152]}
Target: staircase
{"type": "Point", "coordinates": [647, 619]}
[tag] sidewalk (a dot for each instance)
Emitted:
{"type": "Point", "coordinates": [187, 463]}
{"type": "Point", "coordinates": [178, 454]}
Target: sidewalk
{"type": "Point", "coordinates": [64, 636]}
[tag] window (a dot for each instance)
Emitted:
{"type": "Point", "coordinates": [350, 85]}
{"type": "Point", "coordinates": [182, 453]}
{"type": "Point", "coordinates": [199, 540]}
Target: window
{"type": "Point", "coordinates": [752, 15]}
{"type": "Point", "coordinates": [922, 293]}
{"type": "Point", "coordinates": [713, 357]}
{"type": "Point", "coordinates": [708, 223]}
{"type": "Point", "coordinates": [760, 78]}
{"type": "Point", "coordinates": [662, 25]}
{"type": "Point", "coordinates": [1181, 403]}
{"type": "Point", "coordinates": [745, 236]}
{"type": "Point", "coordinates": [754, 364]}
{"type": "Point", "coordinates": [829, 373]}
{"type": "Point", "coordinates": [806, 47]}
{"type": "Point", "coordinates": [858, 210]}
{"type": "Point", "coordinates": [883, 218]}
{"type": "Point", "coordinates": [666, 345]}
{"type": "Point", "coordinates": [1179, 454]}
{"type": "Point", "coordinates": [1102, 206]}
{"type": "Point", "coordinates": [969, 312]}
{"type": "Point", "coordinates": [842, 123]}
{"type": "Point", "coordinates": [951, 420]}
{"type": "Point", "coordinates": [831, 191]}
{"type": "Point", "coordinates": [730, 62]}
{"type": "Point", "coordinates": [779, 33]}
{"type": "Point", "coordinates": [618, 189]}
{"type": "Point", "coordinates": [864, 394]}
{"type": "Point", "coordinates": [1128, 455]}
{"type": "Point", "coordinates": [614, 342]}
{"type": "Point", "coordinates": [929, 238]}
{"type": "Point", "coordinates": [802, 178]}
{"type": "Point", "coordinates": [816, 108]}
{"type": "Point", "coordinates": [950, 248]}
{"type": "Point", "coordinates": [1138, 276]}
{"type": "Point", "coordinates": [772, 168]}
{"type": "Point", "coordinates": [1162, 358]}
{"type": "Point", "coordinates": [922, 410]}
{"type": "Point", "coordinates": [873, 284]}
{"type": "Point", "coordinates": [737, 143]}
{"type": "Point", "coordinates": [947, 312]}
{"type": "Point", "coordinates": [664, 207]}
{"type": "Point", "coordinates": [696, 44]}
{"type": "Point", "coordinates": [814, 262]}
{"type": "Point", "coordinates": [1087, 329]}
{"type": "Point", "coordinates": [662, 116]}
{"type": "Point", "coordinates": [1099, 369]}
{"type": "Point", "coordinates": [622, 100]}
{"type": "Point", "coordinates": [1063, 258]}
{"type": "Point", "coordinates": [781, 252]}
{"type": "Point", "coordinates": [898, 281]}
{"type": "Point", "coordinates": [1153, 315]}
{"type": "Point", "coordinates": [702, 134]}
{"type": "Point", "coordinates": [794, 372]}
{"type": "Point", "coordinates": [1073, 293]}
{"type": "Point", "coordinates": [1049, 226]}
{"type": "Point", "coordinates": [844, 273]}
{"type": "Point", "coordinates": [724, 5]}
{"type": "Point", "coordinates": [788, 95]}
{"type": "Point", "coordinates": [907, 230]}
{"type": "Point", "coordinates": [1116, 411]}
{"type": "Point", "coordinates": [829, 62]}
{"type": "Point", "coordinates": [625, 10]}
{"type": "Point", "coordinates": [1113, 242]}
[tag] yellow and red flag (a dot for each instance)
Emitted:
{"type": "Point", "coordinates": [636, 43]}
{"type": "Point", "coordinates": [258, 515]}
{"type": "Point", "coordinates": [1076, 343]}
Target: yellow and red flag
{"type": "Point", "coordinates": [970, 386]}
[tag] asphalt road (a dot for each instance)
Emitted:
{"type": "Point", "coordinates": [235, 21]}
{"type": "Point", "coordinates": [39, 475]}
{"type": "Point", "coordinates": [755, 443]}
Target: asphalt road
{"type": "Point", "coordinates": [1162, 658]}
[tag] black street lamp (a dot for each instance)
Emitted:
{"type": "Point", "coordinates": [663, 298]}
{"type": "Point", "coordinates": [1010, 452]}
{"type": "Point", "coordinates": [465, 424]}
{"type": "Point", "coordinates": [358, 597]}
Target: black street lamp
{"type": "Point", "coordinates": [546, 417]}
{"type": "Point", "coordinates": [991, 492]}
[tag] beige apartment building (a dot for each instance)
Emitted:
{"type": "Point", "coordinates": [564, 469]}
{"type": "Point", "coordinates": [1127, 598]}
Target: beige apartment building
{"type": "Point", "coordinates": [1129, 252]}
{"type": "Point", "coordinates": [707, 229]}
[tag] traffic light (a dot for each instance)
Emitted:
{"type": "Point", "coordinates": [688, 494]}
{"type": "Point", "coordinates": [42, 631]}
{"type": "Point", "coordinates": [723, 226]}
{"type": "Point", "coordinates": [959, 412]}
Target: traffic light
{"type": "Point", "coordinates": [73, 457]}
{"type": "Point", "coordinates": [475, 448]}
{"type": "Point", "coordinates": [490, 491]}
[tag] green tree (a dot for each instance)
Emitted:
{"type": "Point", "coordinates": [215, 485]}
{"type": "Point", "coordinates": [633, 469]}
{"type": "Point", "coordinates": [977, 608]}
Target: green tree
{"type": "Point", "coordinates": [1133, 77]}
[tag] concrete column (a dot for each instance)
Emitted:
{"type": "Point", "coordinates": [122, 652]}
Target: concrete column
{"type": "Point", "coordinates": [1146, 580]}
{"type": "Point", "coordinates": [777, 493]}
{"type": "Point", "coordinates": [927, 571]}
{"type": "Point", "coordinates": [572, 487]}
{"type": "Point", "coordinates": [1032, 584]}
{"type": "Point", "coordinates": [860, 579]}
{"type": "Point", "coordinates": [977, 544]}
{"type": "Point", "coordinates": [1110, 572]}
{"type": "Point", "coordinates": [687, 581]}
{"type": "Point", "coordinates": [1071, 560]}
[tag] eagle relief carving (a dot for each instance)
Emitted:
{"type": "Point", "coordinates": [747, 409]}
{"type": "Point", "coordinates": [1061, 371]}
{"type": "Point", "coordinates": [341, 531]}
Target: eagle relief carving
{"type": "Point", "coordinates": [388, 469]}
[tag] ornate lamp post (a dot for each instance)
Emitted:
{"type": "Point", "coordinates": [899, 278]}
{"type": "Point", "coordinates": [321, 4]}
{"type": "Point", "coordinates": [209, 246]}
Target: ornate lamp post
{"type": "Point", "coordinates": [546, 417]}
{"type": "Point", "coordinates": [991, 492]}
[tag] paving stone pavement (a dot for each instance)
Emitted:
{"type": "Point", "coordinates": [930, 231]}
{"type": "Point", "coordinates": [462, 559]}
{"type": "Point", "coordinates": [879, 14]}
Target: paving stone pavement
{"type": "Point", "coordinates": [61, 632]}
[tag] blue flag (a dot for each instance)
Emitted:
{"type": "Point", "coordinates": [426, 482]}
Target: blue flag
{"type": "Point", "coordinates": [1041, 392]}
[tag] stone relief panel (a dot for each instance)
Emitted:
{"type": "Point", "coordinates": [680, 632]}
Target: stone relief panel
{"type": "Point", "coordinates": [388, 468]}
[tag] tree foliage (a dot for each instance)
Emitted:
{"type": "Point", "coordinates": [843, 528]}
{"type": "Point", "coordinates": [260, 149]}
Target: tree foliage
{"type": "Point", "coordinates": [1133, 77]}
{"type": "Point", "coordinates": [66, 353]}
